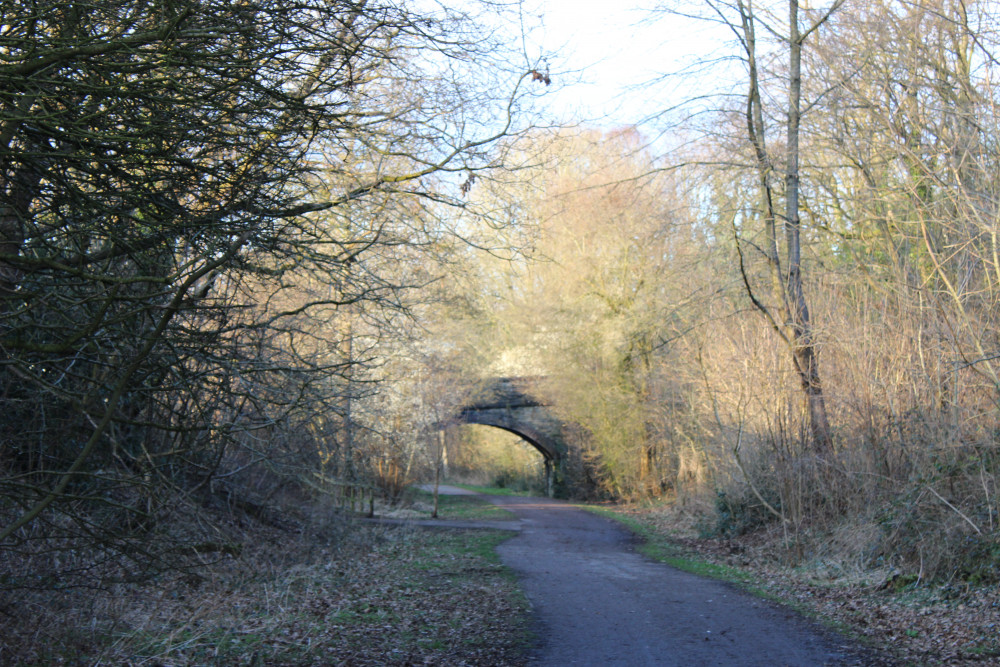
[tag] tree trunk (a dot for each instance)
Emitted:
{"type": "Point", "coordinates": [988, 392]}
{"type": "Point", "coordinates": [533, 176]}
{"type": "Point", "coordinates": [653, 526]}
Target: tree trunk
{"type": "Point", "coordinates": [800, 325]}
{"type": "Point", "coordinates": [791, 321]}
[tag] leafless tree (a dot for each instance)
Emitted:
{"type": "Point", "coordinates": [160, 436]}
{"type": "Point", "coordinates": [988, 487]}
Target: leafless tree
{"type": "Point", "coordinates": [184, 188]}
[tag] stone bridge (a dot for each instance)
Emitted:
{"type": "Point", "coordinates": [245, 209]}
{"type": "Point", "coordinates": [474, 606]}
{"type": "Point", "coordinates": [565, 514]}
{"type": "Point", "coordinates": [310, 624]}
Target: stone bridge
{"type": "Point", "coordinates": [514, 404]}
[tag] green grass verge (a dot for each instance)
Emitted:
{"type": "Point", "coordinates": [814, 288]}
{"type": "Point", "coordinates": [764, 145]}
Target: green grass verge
{"type": "Point", "coordinates": [659, 547]}
{"type": "Point", "coordinates": [492, 490]}
{"type": "Point", "coordinates": [464, 508]}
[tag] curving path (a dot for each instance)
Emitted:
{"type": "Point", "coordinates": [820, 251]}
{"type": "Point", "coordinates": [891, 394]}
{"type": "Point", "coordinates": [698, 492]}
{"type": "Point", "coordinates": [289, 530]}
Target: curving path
{"type": "Point", "coordinates": [598, 602]}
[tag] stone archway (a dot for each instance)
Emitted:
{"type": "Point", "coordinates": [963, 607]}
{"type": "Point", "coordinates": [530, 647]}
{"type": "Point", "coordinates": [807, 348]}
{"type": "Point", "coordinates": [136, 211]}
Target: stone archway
{"type": "Point", "coordinates": [512, 404]}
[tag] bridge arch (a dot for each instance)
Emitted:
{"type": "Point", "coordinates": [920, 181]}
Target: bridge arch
{"type": "Point", "coordinates": [542, 442]}
{"type": "Point", "coordinates": [513, 404]}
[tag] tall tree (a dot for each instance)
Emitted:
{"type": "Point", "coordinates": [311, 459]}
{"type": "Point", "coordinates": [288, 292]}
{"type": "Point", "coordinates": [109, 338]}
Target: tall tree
{"type": "Point", "coordinates": [787, 310]}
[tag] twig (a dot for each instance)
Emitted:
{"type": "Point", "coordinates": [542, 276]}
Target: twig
{"type": "Point", "coordinates": [753, 487]}
{"type": "Point", "coordinates": [956, 510]}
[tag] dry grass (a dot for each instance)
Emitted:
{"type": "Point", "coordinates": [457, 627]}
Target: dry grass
{"type": "Point", "coordinates": [323, 595]}
{"type": "Point", "coordinates": [828, 573]}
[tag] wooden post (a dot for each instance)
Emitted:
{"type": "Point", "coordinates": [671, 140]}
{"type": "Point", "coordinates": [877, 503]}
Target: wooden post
{"type": "Point", "coordinates": [437, 472]}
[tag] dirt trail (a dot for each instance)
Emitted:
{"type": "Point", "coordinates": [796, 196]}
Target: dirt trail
{"type": "Point", "coordinates": [598, 602]}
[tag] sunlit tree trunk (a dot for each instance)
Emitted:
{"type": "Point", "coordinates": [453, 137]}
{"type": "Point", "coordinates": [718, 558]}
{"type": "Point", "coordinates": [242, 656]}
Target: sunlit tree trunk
{"type": "Point", "coordinates": [790, 319]}
{"type": "Point", "coordinates": [802, 338]}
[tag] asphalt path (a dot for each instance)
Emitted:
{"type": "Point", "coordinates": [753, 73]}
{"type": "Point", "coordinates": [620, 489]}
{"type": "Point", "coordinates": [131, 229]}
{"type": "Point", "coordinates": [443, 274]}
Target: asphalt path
{"type": "Point", "coordinates": [596, 601]}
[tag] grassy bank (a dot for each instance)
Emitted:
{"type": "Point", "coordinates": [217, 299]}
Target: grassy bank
{"type": "Point", "coordinates": [659, 546]}
{"type": "Point", "coordinates": [460, 508]}
{"type": "Point", "coordinates": [365, 595]}
{"type": "Point", "coordinates": [493, 490]}
{"type": "Point", "coordinates": [944, 624]}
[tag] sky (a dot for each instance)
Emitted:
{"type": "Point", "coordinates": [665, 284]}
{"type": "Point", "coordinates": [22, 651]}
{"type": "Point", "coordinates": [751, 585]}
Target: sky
{"type": "Point", "coordinates": [609, 51]}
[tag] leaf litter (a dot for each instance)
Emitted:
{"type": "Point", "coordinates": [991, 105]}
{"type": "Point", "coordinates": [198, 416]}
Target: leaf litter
{"type": "Point", "coordinates": [399, 596]}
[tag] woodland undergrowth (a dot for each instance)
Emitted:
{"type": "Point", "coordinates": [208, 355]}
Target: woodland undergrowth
{"type": "Point", "coordinates": [324, 589]}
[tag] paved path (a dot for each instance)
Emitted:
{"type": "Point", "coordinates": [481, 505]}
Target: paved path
{"type": "Point", "coordinates": [598, 602]}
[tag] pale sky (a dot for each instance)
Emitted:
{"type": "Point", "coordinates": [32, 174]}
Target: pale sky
{"type": "Point", "coordinates": [612, 49]}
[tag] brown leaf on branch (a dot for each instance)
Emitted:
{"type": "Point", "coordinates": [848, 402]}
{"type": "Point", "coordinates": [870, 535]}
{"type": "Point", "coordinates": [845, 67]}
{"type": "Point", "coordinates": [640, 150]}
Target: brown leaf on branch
{"type": "Point", "coordinates": [467, 185]}
{"type": "Point", "coordinates": [540, 76]}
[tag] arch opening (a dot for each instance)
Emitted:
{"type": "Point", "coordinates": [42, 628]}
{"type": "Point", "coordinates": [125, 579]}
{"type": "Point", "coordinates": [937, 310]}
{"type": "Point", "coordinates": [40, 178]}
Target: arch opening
{"type": "Point", "coordinates": [501, 458]}
{"type": "Point", "coordinates": [512, 404]}
{"type": "Point", "coordinates": [495, 456]}
{"type": "Point", "coordinates": [546, 454]}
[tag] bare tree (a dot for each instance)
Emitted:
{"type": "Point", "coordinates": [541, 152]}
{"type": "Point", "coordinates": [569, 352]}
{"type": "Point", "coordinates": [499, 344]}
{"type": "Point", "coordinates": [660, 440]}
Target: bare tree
{"type": "Point", "coordinates": [170, 174]}
{"type": "Point", "coordinates": [787, 311]}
